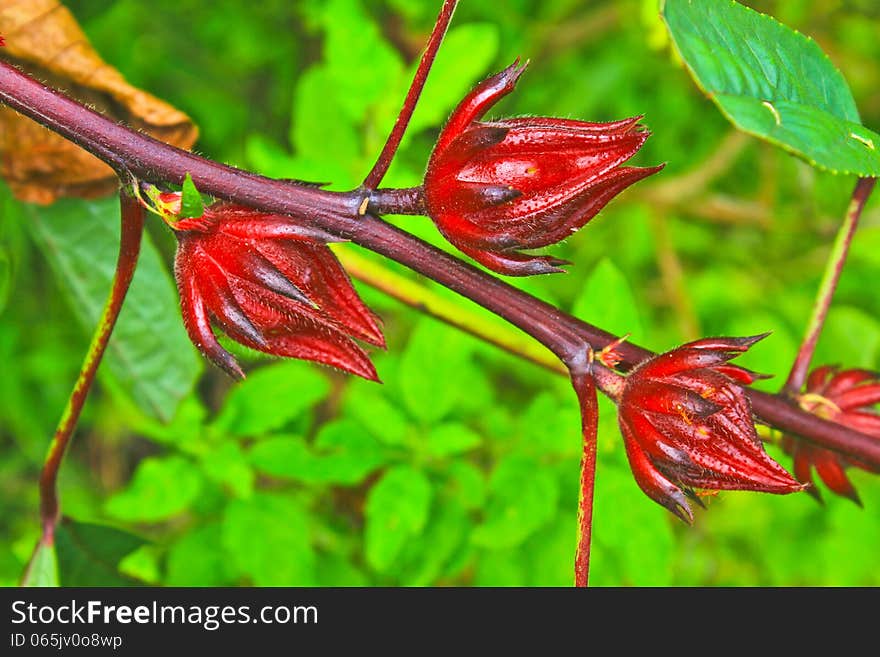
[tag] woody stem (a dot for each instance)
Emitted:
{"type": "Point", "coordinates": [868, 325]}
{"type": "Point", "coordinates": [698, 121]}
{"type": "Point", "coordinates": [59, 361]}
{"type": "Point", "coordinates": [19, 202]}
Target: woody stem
{"type": "Point", "coordinates": [338, 213]}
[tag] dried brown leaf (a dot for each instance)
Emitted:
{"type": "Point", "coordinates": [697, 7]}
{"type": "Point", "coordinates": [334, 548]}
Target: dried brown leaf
{"type": "Point", "coordinates": [43, 38]}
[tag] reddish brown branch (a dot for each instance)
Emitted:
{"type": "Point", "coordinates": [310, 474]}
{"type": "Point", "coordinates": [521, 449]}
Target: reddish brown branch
{"type": "Point", "coordinates": [337, 213]}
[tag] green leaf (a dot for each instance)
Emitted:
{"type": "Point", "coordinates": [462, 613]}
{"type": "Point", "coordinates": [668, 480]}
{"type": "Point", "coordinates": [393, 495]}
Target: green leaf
{"type": "Point", "coordinates": [5, 277]}
{"type": "Point", "coordinates": [372, 410]}
{"type": "Point", "coordinates": [149, 354]}
{"type": "Point", "coordinates": [607, 299]}
{"type": "Point", "coordinates": [284, 456]}
{"type": "Point", "coordinates": [352, 38]}
{"type": "Point", "coordinates": [774, 83]}
{"type": "Point", "coordinates": [270, 397]}
{"type": "Point", "coordinates": [227, 465]}
{"type": "Point", "coordinates": [267, 539]}
{"type": "Point", "coordinates": [851, 337]}
{"type": "Point", "coordinates": [336, 570]}
{"type": "Point", "coordinates": [142, 565]}
{"type": "Point", "coordinates": [550, 553]}
{"type": "Point", "coordinates": [347, 453]}
{"type": "Point", "coordinates": [42, 569]}
{"type": "Point", "coordinates": [501, 568]}
{"type": "Point", "coordinates": [161, 488]}
{"type": "Point", "coordinates": [343, 453]}
{"type": "Point", "coordinates": [450, 439]}
{"type": "Point", "coordinates": [433, 371]}
{"type": "Point", "coordinates": [198, 559]}
{"type": "Point", "coordinates": [467, 52]}
{"type": "Point", "coordinates": [466, 484]}
{"type": "Point", "coordinates": [444, 534]}
{"type": "Point", "coordinates": [550, 426]}
{"type": "Point", "coordinates": [191, 206]}
{"type": "Point", "coordinates": [89, 555]}
{"type": "Point", "coordinates": [396, 511]}
{"type": "Point", "coordinates": [625, 521]}
{"type": "Point", "coordinates": [327, 145]}
{"type": "Point", "coordinates": [523, 498]}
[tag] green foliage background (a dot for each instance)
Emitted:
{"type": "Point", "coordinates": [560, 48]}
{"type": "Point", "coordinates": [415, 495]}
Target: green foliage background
{"type": "Point", "coordinates": [462, 468]}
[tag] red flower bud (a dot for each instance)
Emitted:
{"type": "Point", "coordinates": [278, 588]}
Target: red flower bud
{"type": "Point", "coordinates": [687, 423]}
{"type": "Point", "coordinates": [845, 397]}
{"type": "Point", "coordinates": [270, 284]}
{"type": "Point", "coordinates": [496, 187]}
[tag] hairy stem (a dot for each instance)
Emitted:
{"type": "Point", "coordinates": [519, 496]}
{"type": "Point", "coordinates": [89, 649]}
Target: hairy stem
{"type": "Point", "coordinates": [398, 201]}
{"type": "Point", "coordinates": [586, 392]}
{"type": "Point", "coordinates": [380, 168]}
{"type": "Point", "coordinates": [132, 218]}
{"type": "Point", "coordinates": [429, 302]}
{"type": "Point", "coordinates": [337, 213]}
{"type": "Point", "coordinates": [828, 286]}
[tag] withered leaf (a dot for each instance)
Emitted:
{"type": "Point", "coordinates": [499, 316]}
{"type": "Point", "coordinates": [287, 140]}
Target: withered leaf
{"type": "Point", "coordinates": [43, 39]}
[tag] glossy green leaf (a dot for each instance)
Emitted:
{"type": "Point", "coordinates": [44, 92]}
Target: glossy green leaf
{"type": "Point", "coordinates": [397, 509]}
{"type": "Point", "coordinates": [160, 488]}
{"type": "Point", "coordinates": [774, 83]}
{"type": "Point", "coordinates": [270, 397]}
{"type": "Point", "coordinates": [267, 539]}
{"type": "Point", "coordinates": [149, 352]}
{"type": "Point", "coordinates": [89, 554]}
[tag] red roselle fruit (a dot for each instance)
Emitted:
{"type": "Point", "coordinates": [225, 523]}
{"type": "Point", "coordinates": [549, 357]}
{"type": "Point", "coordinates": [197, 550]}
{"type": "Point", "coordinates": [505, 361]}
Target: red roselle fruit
{"type": "Point", "coordinates": [269, 283]}
{"type": "Point", "coordinates": [493, 188]}
{"type": "Point", "coordinates": [846, 397]}
{"type": "Point", "coordinates": [687, 425]}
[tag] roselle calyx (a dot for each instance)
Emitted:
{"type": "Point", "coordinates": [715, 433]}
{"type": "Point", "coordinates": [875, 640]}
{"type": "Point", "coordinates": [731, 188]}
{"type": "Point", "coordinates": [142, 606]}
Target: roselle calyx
{"type": "Point", "coordinates": [842, 396]}
{"type": "Point", "coordinates": [269, 283]}
{"type": "Point", "coordinates": [495, 188]}
{"type": "Point", "coordinates": [687, 424]}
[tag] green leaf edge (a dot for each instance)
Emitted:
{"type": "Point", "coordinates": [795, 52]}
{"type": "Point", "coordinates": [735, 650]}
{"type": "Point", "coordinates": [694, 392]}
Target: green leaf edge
{"type": "Point", "coordinates": [712, 95]}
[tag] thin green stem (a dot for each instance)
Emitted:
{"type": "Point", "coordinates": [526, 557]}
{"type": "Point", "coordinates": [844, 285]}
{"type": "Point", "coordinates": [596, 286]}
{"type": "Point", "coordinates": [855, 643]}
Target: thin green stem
{"type": "Point", "coordinates": [828, 286]}
{"type": "Point", "coordinates": [132, 217]}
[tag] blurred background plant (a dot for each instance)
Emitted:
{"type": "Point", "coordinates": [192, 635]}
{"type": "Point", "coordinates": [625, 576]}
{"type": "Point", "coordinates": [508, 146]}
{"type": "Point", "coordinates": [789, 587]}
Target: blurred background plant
{"type": "Point", "coordinates": [462, 468]}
